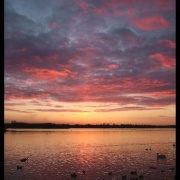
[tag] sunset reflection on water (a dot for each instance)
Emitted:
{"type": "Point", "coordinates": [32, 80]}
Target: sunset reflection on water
{"type": "Point", "coordinates": [57, 154]}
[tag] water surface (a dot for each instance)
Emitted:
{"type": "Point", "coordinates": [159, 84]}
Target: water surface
{"type": "Point", "coordinates": [55, 154]}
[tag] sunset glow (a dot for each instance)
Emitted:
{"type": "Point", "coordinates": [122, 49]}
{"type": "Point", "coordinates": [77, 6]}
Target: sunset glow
{"type": "Point", "coordinates": [88, 61]}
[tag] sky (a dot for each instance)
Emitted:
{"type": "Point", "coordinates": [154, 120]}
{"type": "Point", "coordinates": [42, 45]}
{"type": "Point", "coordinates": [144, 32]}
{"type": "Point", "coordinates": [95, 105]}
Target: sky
{"type": "Point", "coordinates": [90, 61]}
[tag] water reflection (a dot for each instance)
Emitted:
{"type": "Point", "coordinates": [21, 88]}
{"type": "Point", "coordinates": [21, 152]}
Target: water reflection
{"type": "Point", "coordinates": [58, 154]}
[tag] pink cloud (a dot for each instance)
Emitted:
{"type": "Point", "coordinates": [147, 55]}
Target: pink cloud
{"type": "Point", "coordinates": [38, 58]}
{"type": "Point", "coordinates": [54, 25]}
{"type": "Point", "coordinates": [85, 5]}
{"type": "Point", "coordinates": [163, 59]}
{"type": "Point", "coordinates": [150, 23]}
{"type": "Point", "coordinates": [14, 93]}
{"type": "Point", "coordinates": [89, 8]}
{"type": "Point", "coordinates": [165, 4]}
{"type": "Point", "coordinates": [86, 49]}
{"type": "Point", "coordinates": [169, 43]}
{"type": "Point", "coordinates": [101, 90]}
{"type": "Point", "coordinates": [99, 11]}
{"type": "Point", "coordinates": [46, 73]}
{"type": "Point", "coordinates": [52, 57]}
{"type": "Point", "coordinates": [128, 12]}
{"type": "Point", "coordinates": [117, 3]}
{"type": "Point", "coordinates": [113, 66]}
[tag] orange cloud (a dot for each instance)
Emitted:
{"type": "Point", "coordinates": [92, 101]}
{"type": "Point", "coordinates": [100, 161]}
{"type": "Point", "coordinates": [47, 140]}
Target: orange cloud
{"type": "Point", "coordinates": [150, 23]}
{"type": "Point", "coordinates": [113, 66]}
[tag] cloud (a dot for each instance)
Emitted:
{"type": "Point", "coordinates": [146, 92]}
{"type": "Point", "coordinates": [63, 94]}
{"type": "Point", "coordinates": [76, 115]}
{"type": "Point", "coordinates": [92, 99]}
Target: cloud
{"type": "Point", "coordinates": [46, 73]}
{"type": "Point", "coordinates": [164, 60]}
{"type": "Point", "coordinates": [169, 43]}
{"type": "Point", "coordinates": [54, 25]}
{"type": "Point", "coordinates": [15, 110]}
{"type": "Point", "coordinates": [58, 110]}
{"type": "Point", "coordinates": [127, 109]}
{"type": "Point", "coordinates": [151, 23]}
{"type": "Point", "coordinates": [91, 51]}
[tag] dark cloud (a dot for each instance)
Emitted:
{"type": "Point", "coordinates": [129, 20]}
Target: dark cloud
{"type": "Point", "coordinates": [98, 51]}
{"type": "Point", "coordinates": [126, 109]}
{"type": "Point", "coordinates": [15, 110]}
{"type": "Point", "coordinates": [58, 110]}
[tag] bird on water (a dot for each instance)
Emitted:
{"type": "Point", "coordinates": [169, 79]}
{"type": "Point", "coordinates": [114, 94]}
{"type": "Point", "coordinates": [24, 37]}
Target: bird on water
{"type": "Point", "coordinates": [110, 173]}
{"type": "Point", "coordinates": [124, 177]}
{"type": "Point", "coordinates": [73, 175]}
{"type": "Point", "coordinates": [19, 167]}
{"type": "Point", "coordinates": [160, 156]}
{"type": "Point", "coordinates": [24, 159]}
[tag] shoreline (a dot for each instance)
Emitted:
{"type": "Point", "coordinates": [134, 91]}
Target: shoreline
{"type": "Point", "coordinates": [18, 125]}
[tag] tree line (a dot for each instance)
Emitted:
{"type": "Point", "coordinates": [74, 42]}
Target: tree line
{"type": "Point", "coordinates": [23, 125]}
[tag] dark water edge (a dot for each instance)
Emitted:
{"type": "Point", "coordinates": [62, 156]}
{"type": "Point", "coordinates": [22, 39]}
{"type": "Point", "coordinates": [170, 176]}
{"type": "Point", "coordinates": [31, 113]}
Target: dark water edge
{"type": "Point", "coordinates": [20, 125]}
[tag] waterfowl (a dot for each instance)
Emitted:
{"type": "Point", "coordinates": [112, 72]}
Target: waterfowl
{"type": "Point", "coordinates": [84, 172]}
{"type": "Point", "coordinates": [124, 177]}
{"type": "Point", "coordinates": [73, 175]}
{"type": "Point", "coordinates": [19, 167]}
{"type": "Point", "coordinates": [24, 159]}
{"type": "Point", "coordinates": [109, 173]}
{"type": "Point", "coordinates": [133, 172]}
{"type": "Point", "coordinates": [134, 178]}
{"type": "Point", "coordinates": [141, 176]}
{"type": "Point", "coordinates": [160, 156]}
{"type": "Point", "coordinates": [152, 167]}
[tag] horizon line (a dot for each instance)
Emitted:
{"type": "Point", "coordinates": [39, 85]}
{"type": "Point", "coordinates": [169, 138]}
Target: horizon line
{"type": "Point", "coordinates": [88, 124]}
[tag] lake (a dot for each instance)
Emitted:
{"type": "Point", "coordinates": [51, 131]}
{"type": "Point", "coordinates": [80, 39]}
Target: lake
{"type": "Point", "coordinates": [56, 154]}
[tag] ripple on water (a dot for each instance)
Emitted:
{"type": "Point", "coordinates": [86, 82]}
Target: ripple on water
{"type": "Point", "coordinates": [56, 158]}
